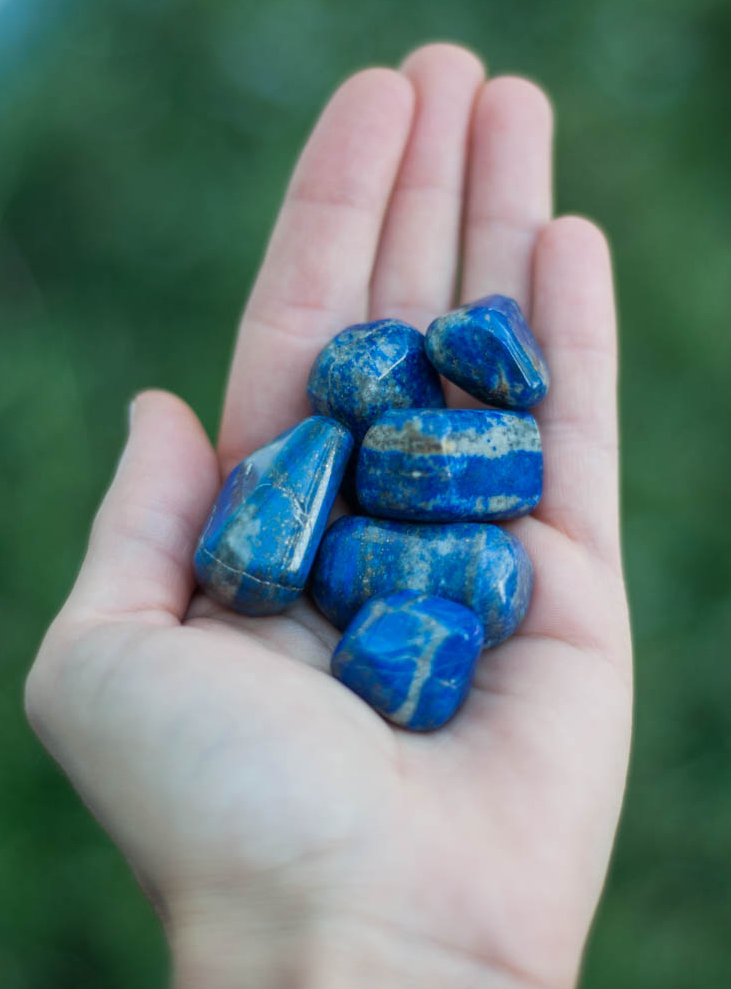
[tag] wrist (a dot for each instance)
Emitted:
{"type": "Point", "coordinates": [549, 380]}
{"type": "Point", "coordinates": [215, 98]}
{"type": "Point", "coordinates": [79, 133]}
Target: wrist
{"type": "Point", "coordinates": [252, 946]}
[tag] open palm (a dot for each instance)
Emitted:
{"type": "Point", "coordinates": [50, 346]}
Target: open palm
{"type": "Point", "coordinates": [281, 825]}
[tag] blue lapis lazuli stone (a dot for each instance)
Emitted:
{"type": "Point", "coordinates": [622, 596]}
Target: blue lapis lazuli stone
{"type": "Point", "coordinates": [444, 465]}
{"type": "Point", "coordinates": [488, 349]}
{"type": "Point", "coordinates": [369, 368]}
{"type": "Point", "coordinates": [411, 657]}
{"type": "Point", "coordinates": [258, 545]}
{"type": "Point", "coordinates": [476, 564]}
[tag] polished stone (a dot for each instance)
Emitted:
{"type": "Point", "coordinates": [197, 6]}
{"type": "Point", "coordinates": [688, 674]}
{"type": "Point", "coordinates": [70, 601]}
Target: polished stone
{"type": "Point", "coordinates": [487, 348]}
{"type": "Point", "coordinates": [474, 563]}
{"type": "Point", "coordinates": [261, 537]}
{"type": "Point", "coordinates": [444, 465]}
{"type": "Point", "coordinates": [369, 368]}
{"type": "Point", "coordinates": [411, 657]}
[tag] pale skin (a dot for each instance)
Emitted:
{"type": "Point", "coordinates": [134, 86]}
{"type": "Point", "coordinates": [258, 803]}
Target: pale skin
{"type": "Point", "coordinates": [288, 836]}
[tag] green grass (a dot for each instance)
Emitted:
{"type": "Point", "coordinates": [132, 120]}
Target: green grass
{"type": "Point", "coordinates": [143, 150]}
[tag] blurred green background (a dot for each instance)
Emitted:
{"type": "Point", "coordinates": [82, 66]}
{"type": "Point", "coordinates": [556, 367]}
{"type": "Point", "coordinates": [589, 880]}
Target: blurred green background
{"type": "Point", "coordinates": [144, 145]}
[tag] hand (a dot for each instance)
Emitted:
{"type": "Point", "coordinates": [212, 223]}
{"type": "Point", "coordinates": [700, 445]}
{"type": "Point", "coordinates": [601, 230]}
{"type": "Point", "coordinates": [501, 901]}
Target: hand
{"type": "Point", "coordinates": [288, 835]}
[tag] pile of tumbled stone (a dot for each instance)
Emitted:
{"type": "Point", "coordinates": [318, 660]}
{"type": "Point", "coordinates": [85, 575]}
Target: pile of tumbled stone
{"type": "Point", "coordinates": [424, 580]}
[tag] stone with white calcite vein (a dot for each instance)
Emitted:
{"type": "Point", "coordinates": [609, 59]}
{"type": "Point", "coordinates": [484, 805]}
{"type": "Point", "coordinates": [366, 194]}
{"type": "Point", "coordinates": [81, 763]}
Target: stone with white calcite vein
{"type": "Point", "coordinates": [488, 349]}
{"type": "Point", "coordinates": [411, 657]}
{"type": "Point", "coordinates": [475, 564]}
{"type": "Point", "coordinates": [258, 544]}
{"type": "Point", "coordinates": [369, 368]}
{"type": "Point", "coordinates": [444, 465]}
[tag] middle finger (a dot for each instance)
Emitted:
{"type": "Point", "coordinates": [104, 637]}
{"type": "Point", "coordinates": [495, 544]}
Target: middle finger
{"type": "Point", "coordinates": [413, 278]}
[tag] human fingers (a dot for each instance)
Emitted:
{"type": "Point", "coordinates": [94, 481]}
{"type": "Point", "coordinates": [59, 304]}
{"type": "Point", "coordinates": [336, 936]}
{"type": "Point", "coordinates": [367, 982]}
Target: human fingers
{"type": "Point", "coordinates": [139, 559]}
{"type": "Point", "coordinates": [574, 317]}
{"type": "Point", "coordinates": [315, 276]}
{"type": "Point", "coordinates": [414, 274]}
{"type": "Point", "coordinates": [509, 192]}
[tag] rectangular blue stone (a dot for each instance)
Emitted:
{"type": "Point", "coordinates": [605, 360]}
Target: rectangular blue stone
{"type": "Point", "coordinates": [445, 465]}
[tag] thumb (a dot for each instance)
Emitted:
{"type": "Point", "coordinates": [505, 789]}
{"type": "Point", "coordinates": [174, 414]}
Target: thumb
{"type": "Point", "coordinates": [139, 560]}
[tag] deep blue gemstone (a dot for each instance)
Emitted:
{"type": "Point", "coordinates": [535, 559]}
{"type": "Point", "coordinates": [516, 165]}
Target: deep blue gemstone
{"type": "Point", "coordinates": [369, 368]}
{"type": "Point", "coordinates": [474, 563]}
{"type": "Point", "coordinates": [411, 657]}
{"type": "Point", "coordinates": [443, 465]}
{"type": "Point", "coordinates": [261, 537]}
{"type": "Point", "coordinates": [487, 348]}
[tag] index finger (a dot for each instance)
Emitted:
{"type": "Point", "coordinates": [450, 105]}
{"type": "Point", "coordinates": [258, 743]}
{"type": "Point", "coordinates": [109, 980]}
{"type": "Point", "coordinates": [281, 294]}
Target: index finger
{"type": "Point", "coordinates": [315, 275]}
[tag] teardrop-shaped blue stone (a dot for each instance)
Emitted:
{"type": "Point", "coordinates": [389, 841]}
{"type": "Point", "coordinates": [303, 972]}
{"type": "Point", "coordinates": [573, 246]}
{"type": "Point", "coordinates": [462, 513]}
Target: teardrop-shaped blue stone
{"type": "Point", "coordinates": [258, 545]}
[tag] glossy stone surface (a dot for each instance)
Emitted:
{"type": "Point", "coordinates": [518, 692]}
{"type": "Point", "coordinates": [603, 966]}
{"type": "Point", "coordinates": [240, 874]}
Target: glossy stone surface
{"type": "Point", "coordinates": [411, 657]}
{"type": "Point", "coordinates": [443, 465]}
{"type": "Point", "coordinates": [261, 537]}
{"type": "Point", "coordinates": [487, 348]}
{"type": "Point", "coordinates": [474, 563]}
{"type": "Point", "coordinates": [369, 368]}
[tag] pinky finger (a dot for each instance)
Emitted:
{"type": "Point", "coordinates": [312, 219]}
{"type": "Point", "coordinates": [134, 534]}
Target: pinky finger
{"type": "Point", "coordinates": [574, 318]}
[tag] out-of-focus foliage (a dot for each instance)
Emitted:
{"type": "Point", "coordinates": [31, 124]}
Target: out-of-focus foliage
{"type": "Point", "coordinates": [144, 145]}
